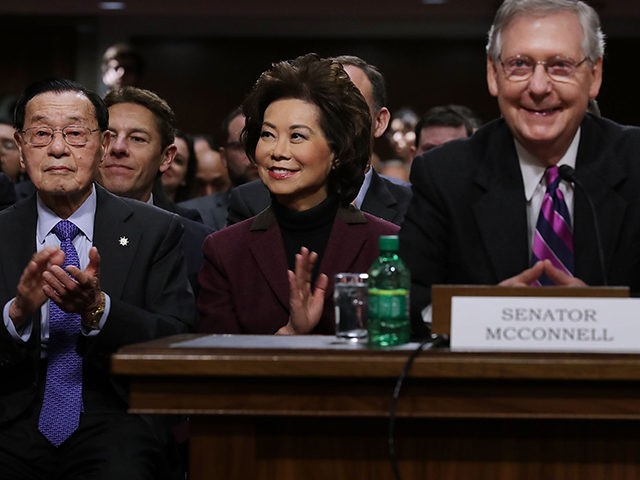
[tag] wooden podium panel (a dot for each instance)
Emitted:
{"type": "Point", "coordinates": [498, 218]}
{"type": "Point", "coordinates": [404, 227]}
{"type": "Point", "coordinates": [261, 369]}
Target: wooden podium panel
{"type": "Point", "coordinates": [322, 413]}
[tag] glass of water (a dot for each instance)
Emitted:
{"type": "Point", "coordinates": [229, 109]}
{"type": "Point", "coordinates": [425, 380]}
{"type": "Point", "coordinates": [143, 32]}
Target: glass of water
{"type": "Point", "coordinates": [350, 301]}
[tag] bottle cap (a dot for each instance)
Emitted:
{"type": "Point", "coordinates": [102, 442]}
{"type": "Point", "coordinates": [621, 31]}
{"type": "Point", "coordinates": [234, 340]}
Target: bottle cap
{"type": "Point", "coordinates": [388, 243]}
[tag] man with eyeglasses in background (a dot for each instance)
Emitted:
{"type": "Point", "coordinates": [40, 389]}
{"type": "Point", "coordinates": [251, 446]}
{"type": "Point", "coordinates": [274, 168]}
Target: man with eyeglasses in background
{"type": "Point", "coordinates": [474, 217]}
{"type": "Point", "coordinates": [84, 273]}
{"type": "Point", "coordinates": [10, 161]}
{"type": "Point", "coordinates": [9, 164]}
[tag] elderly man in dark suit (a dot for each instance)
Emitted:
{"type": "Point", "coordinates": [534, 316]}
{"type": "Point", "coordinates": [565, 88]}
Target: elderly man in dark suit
{"type": "Point", "coordinates": [83, 273]}
{"type": "Point", "coordinates": [380, 196]}
{"type": "Point", "coordinates": [495, 208]}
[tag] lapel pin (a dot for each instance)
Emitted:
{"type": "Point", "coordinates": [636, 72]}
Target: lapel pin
{"type": "Point", "coordinates": [124, 241]}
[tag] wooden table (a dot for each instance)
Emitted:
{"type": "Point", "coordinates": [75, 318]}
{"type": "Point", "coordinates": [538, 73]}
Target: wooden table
{"type": "Point", "coordinates": [305, 408]}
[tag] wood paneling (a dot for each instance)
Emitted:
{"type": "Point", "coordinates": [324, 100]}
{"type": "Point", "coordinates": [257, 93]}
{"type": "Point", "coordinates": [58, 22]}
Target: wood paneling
{"type": "Point", "coordinates": [292, 413]}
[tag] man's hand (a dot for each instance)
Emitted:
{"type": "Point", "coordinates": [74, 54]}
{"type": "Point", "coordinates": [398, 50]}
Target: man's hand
{"type": "Point", "coordinates": [30, 293]}
{"type": "Point", "coordinates": [530, 275]}
{"type": "Point", "coordinates": [305, 307]}
{"type": "Point", "coordinates": [79, 293]}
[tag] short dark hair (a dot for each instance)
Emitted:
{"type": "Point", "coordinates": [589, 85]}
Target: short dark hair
{"type": "Point", "coordinates": [448, 116]}
{"type": "Point", "coordinates": [123, 53]}
{"type": "Point", "coordinates": [224, 127]}
{"type": "Point", "coordinates": [344, 115]}
{"type": "Point", "coordinates": [59, 85]}
{"type": "Point", "coordinates": [183, 192]}
{"type": "Point", "coordinates": [165, 118]}
{"type": "Point", "coordinates": [378, 84]}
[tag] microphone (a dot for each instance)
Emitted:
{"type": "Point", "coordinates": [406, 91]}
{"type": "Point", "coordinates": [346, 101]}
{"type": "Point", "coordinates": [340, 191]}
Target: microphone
{"type": "Point", "coordinates": [568, 174]}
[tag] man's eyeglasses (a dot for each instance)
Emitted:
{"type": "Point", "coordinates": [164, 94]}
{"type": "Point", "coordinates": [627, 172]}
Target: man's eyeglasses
{"type": "Point", "coordinates": [42, 136]}
{"type": "Point", "coordinates": [520, 67]}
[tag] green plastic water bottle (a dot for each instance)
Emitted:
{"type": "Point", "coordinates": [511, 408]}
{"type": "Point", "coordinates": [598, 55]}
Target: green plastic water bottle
{"type": "Point", "coordinates": [389, 284]}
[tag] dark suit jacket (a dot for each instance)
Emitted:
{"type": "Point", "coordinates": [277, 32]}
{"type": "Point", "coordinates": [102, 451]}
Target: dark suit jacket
{"type": "Point", "coordinates": [194, 233]}
{"type": "Point", "coordinates": [7, 192]}
{"type": "Point", "coordinates": [212, 209]}
{"type": "Point", "coordinates": [146, 281]}
{"type": "Point", "coordinates": [384, 199]}
{"type": "Point", "coordinates": [244, 286]}
{"type": "Point", "coordinates": [467, 220]}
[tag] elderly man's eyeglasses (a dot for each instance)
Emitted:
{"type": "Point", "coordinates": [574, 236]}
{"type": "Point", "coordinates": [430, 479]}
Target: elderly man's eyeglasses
{"type": "Point", "coordinates": [42, 136]}
{"type": "Point", "coordinates": [521, 67]}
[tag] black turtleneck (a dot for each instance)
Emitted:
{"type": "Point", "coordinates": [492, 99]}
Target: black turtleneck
{"type": "Point", "coordinates": [310, 228]}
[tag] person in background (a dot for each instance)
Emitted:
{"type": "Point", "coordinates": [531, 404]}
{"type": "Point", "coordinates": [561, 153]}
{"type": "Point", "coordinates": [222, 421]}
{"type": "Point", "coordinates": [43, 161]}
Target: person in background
{"type": "Point", "coordinates": [142, 127]}
{"type": "Point", "coordinates": [401, 134]}
{"type": "Point", "coordinates": [10, 163]}
{"type": "Point", "coordinates": [482, 209]}
{"type": "Point", "coordinates": [178, 179]}
{"type": "Point", "coordinates": [7, 192]}
{"type": "Point", "coordinates": [214, 208]}
{"type": "Point", "coordinates": [441, 124]}
{"type": "Point", "coordinates": [308, 130]}
{"type": "Point", "coordinates": [211, 174]}
{"type": "Point", "coordinates": [241, 169]}
{"type": "Point", "coordinates": [121, 66]}
{"type": "Point", "coordinates": [381, 196]}
{"type": "Point", "coordinates": [83, 273]}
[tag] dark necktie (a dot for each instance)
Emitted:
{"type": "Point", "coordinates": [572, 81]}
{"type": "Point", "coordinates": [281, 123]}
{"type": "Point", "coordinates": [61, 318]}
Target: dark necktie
{"type": "Point", "coordinates": [62, 403]}
{"type": "Point", "coordinates": [553, 237]}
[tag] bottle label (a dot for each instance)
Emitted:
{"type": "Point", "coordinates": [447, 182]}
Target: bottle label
{"type": "Point", "coordinates": [388, 303]}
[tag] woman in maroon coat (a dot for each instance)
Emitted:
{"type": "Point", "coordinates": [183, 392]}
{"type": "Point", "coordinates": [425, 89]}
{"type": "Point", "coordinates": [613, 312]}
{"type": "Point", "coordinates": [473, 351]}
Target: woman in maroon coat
{"type": "Point", "coordinates": [308, 130]}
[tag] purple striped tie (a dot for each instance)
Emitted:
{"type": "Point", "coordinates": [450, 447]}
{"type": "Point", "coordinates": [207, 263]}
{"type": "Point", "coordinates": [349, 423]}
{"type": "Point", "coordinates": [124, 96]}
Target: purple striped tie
{"type": "Point", "coordinates": [553, 238]}
{"type": "Point", "coordinates": [62, 403]}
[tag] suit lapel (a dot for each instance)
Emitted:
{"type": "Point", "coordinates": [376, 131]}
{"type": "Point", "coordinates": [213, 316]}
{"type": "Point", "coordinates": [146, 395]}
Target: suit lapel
{"type": "Point", "coordinates": [500, 210]}
{"type": "Point", "coordinates": [378, 200]}
{"type": "Point", "coordinates": [117, 240]}
{"type": "Point", "coordinates": [345, 243]}
{"type": "Point", "coordinates": [20, 238]}
{"type": "Point", "coordinates": [267, 248]}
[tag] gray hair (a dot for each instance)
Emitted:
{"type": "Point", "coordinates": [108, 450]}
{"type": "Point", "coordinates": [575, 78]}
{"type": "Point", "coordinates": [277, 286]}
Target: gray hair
{"type": "Point", "coordinates": [592, 43]}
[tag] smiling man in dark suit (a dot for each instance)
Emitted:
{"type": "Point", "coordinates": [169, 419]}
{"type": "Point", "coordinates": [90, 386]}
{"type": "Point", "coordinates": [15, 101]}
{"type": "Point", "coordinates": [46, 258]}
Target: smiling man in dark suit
{"type": "Point", "coordinates": [478, 212]}
{"type": "Point", "coordinates": [383, 197]}
{"type": "Point", "coordinates": [142, 127]}
{"type": "Point", "coordinates": [82, 273]}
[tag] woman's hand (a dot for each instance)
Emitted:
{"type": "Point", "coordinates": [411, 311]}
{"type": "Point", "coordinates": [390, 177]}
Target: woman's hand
{"type": "Point", "coordinates": [305, 307]}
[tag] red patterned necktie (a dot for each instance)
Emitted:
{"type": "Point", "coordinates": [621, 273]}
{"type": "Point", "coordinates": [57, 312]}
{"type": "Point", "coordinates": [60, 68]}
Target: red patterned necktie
{"type": "Point", "coordinates": [553, 237]}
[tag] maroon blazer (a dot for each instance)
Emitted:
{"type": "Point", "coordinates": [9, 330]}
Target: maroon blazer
{"type": "Point", "coordinates": [243, 281]}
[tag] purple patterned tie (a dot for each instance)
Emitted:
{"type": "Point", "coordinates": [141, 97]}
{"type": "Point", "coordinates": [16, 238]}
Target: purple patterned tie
{"type": "Point", "coordinates": [553, 238]}
{"type": "Point", "coordinates": [62, 403]}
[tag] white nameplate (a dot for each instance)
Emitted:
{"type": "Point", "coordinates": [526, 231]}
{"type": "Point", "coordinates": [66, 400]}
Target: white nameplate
{"type": "Point", "coordinates": [545, 324]}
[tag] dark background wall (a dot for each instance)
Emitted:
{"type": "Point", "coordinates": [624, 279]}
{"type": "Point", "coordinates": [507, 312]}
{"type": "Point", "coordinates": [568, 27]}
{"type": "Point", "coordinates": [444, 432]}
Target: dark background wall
{"type": "Point", "coordinates": [204, 76]}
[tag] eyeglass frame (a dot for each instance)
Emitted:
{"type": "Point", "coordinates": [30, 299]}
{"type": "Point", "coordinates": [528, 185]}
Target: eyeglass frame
{"type": "Point", "coordinates": [53, 133]}
{"type": "Point", "coordinates": [545, 64]}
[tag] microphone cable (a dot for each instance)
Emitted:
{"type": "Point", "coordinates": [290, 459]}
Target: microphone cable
{"type": "Point", "coordinates": [568, 174]}
{"type": "Point", "coordinates": [431, 342]}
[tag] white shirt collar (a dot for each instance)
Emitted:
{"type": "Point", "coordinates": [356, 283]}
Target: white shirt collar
{"type": "Point", "coordinates": [532, 171]}
{"type": "Point", "coordinates": [363, 188]}
{"type": "Point", "coordinates": [83, 217]}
